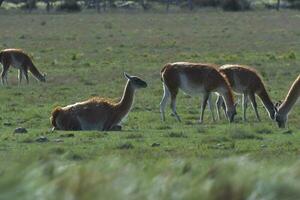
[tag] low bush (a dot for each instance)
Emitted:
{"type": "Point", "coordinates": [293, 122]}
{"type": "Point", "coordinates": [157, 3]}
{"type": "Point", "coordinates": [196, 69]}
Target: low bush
{"type": "Point", "coordinates": [69, 6]}
{"type": "Point", "coordinates": [206, 3]}
{"type": "Point", "coordinates": [294, 4]}
{"type": "Point", "coordinates": [29, 5]}
{"type": "Point", "coordinates": [235, 5]}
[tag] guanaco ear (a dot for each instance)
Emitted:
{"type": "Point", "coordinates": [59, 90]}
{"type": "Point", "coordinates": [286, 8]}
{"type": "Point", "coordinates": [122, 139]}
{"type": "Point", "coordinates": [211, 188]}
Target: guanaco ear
{"type": "Point", "coordinates": [127, 75]}
{"type": "Point", "coordinates": [235, 104]}
{"type": "Point", "coordinates": [277, 104]}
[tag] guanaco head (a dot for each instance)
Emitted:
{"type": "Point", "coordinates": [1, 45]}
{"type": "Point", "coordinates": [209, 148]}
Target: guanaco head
{"type": "Point", "coordinates": [281, 120]}
{"type": "Point", "coordinates": [135, 81]}
{"type": "Point", "coordinates": [273, 112]}
{"type": "Point", "coordinates": [277, 104]}
{"type": "Point", "coordinates": [43, 78]}
{"type": "Point", "coordinates": [231, 113]}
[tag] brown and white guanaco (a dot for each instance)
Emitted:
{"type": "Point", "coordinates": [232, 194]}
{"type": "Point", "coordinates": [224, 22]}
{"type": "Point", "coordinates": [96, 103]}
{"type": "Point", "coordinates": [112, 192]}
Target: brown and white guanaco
{"type": "Point", "coordinates": [20, 60]}
{"type": "Point", "coordinates": [286, 106]}
{"type": "Point", "coordinates": [246, 81]}
{"type": "Point", "coordinates": [195, 79]}
{"type": "Point", "coordinates": [97, 113]}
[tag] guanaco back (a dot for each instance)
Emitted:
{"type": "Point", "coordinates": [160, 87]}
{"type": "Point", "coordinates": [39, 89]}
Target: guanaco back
{"type": "Point", "coordinates": [195, 79]}
{"type": "Point", "coordinates": [246, 81]}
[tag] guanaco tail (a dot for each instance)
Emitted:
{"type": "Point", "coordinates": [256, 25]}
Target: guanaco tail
{"type": "Point", "coordinates": [20, 60]}
{"type": "Point", "coordinates": [97, 113]}
{"type": "Point", "coordinates": [281, 116]}
{"type": "Point", "coordinates": [195, 79]}
{"type": "Point", "coordinates": [246, 81]}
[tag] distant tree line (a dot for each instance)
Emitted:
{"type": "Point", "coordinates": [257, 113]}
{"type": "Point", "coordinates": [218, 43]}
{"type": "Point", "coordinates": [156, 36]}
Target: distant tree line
{"type": "Point", "coordinates": [102, 5]}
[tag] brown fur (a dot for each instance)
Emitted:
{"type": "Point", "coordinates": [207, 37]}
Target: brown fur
{"type": "Point", "coordinates": [54, 115]}
{"type": "Point", "coordinates": [195, 77]}
{"type": "Point", "coordinates": [199, 73]}
{"type": "Point", "coordinates": [96, 113]}
{"type": "Point", "coordinates": [245, 80]}
{"type": "Point", "coordinates": [248, 77]}
{"type": "Point", "coordinates": [16, 57]}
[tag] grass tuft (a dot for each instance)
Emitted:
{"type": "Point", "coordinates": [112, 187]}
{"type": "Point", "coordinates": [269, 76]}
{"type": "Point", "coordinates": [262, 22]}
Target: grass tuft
{"type": "Point", "coordinates": [134, 136]}
{"type": "Point", "coordinates": [242, 134]}
{"type": "Point", "coordinates": [176, 135]}
{"type": "Point", "coordinates": [126, 145]}
{"type": "Point", "coordinates": [264, 130]}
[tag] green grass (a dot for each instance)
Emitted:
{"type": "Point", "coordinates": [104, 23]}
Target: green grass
{"type": "Point", "coordinates": [84, 55]}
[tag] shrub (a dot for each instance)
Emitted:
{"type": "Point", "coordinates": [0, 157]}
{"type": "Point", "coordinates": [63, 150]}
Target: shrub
{"type": "Point", "coordinates": [69, 6]}
{"type": "Point", "coordinates": [204, 3]}
{"type": "Point", "coordinates": [294, 4]}
{"type": "Point", "coordinates": [29, 5]}
{"type": "Point", "coordinates": [294, 1]}
{"type": "Point", "coordinates": [235, 5]}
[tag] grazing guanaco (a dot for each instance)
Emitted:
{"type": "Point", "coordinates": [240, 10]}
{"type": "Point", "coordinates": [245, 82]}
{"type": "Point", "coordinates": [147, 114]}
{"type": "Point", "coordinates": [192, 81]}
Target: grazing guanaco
{"type": "Point", "coordinates": [281, 116]}
{"type": "Point", "coordinates": [195, 79]}
{"type": "Point", "coordinates": [20, 60]}
{"type": "Point", "coordinates": [97, 113]}
{"type": "Point", "coordinates": [246, 81]}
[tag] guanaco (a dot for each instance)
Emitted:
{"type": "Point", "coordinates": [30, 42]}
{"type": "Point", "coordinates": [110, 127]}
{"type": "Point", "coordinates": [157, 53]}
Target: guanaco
{"type": "Point", "coordinates": [97, 113]}
{"type": "Point", "coordinates": [195, 79]}
{"type": "Point", "coordinates": [246, 81]}
{"type": "Point", "coordinates": [281, 116]}
{"type": "Point", "coordinates": [20, 60]}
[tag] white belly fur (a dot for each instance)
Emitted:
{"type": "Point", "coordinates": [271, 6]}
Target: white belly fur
{"type": "Point", "coordinates": [189, 88]}
{"type": "Point", "coordinates": [16, 63]}
{"type": "Point", "coordinates": [89, 126]}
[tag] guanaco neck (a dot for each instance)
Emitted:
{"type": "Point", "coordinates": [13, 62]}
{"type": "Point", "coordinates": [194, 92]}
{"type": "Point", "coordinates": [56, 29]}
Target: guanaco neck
{"type": "Point", "coordinates": [228, 97]}
{"type": "Point", "coordinates": [34, 71]}
{"type": "Point", "coordinates": [124, 105]}
{"type": "Point", "coordinates": [291, 98]}
{"type": "Point", "coordinates": [263, 95]}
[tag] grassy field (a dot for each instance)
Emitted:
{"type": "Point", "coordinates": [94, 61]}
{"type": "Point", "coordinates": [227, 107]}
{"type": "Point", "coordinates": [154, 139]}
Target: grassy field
{"type": "Point", "coordinates": [84, 55]}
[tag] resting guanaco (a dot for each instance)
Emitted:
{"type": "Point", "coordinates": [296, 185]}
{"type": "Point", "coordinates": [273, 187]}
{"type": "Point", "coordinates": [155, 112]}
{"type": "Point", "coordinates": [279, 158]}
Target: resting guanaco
{"type": "Point", "coordinates": [20, 60]}
{"type": "Point", "coordinates": [97, 113]}
{"type": "Point", "coordinates": [246, 81]}
{"type": "Point", "coordinates": [195, 79]}
{"type": "Point", "coordinates": [281, 116]}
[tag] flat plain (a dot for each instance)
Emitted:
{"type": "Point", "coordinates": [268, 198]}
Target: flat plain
{"type": "Point", "coordinates": [85, 55]}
